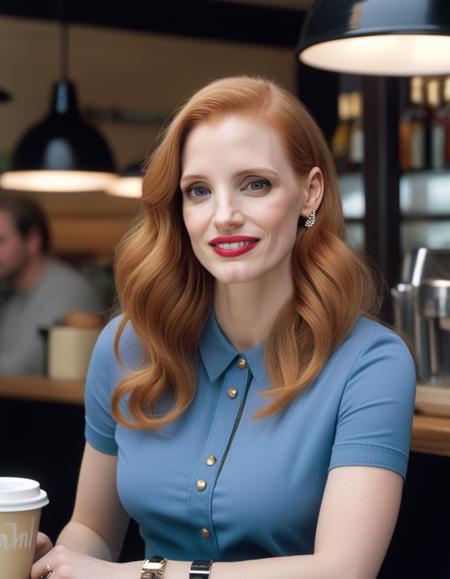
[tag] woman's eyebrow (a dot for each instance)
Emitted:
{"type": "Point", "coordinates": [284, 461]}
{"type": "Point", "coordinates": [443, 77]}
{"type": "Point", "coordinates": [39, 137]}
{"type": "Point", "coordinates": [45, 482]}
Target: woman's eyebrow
{"type": "Point", "coordinates": [250, 170]}
{"type": "Point", "coordinates": [253, 170]}
{"type": "Point", "coordinates": [185, 178]}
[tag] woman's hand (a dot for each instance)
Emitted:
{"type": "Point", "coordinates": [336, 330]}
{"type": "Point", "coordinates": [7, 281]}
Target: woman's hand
{"type": "Point", "coordinates": [43, 546]}
{"type": "Point", "coordinates": [67, 564]}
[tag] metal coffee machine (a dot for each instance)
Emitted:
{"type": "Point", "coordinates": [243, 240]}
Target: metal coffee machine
{"type": "Point", "coordinates": [422, 311]}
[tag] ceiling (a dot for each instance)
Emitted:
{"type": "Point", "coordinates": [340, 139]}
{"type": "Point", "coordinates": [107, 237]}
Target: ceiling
{"type": "Point", "coordinates": [289, 4]}
{"type": "Point", "coordinates": [266, 22]}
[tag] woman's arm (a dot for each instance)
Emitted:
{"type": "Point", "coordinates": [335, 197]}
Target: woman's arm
{"type": "Point", "coordinates": [357, 517]}
{"type": "Point", "coordinates": [99, 522]}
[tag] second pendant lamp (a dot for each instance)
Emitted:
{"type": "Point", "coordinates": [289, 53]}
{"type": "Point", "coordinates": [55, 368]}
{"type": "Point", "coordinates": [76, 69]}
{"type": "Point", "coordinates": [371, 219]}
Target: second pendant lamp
{"type": "Point", "coordinates": [63, 152]}
{"type": "Point", "coordinates": [380, 37]}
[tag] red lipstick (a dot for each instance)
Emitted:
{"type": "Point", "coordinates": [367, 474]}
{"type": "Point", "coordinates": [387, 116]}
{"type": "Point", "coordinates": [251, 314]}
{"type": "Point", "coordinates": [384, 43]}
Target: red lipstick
{"type": "Point", "coordinates": [233, 245]}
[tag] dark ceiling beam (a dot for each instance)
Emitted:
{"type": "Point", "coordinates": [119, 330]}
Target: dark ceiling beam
{"type": "Point", "coordinates": [220, 20]}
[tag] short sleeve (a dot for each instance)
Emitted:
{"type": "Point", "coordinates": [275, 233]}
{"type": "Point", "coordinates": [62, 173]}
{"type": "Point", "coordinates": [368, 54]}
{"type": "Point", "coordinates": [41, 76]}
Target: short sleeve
{"type": "Point", "coordinates": [100, 426]}
{"type": "Point", "coordinates": [377, 406]}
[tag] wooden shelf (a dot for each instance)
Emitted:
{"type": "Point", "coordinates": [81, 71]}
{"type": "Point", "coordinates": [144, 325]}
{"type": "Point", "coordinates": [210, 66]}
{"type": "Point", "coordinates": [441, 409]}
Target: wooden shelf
{"type": "Point", "coordinates": [42, 389]}
{"type": "Point", "coordinates": [431, 435]}
{"type": "Point", "coordinates": [87, 223]}
{"type": "Point", "coordinates": [433, 400]}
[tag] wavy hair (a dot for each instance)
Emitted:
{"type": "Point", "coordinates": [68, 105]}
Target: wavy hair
{"type": "Point", "coordinates": [166, 293]}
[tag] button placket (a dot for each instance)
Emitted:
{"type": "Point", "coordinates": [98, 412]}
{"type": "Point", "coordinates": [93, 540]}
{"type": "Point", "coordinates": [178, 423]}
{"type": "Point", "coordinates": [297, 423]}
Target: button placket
{"type": "Point", "coordinates": [217, 443]}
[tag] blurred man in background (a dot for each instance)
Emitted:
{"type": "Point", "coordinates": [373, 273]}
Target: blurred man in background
{"type": "Point", "coordinates": [43, 288]}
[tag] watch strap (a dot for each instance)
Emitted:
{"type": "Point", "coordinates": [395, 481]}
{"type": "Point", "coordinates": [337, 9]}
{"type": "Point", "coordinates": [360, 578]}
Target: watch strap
{"type": "Point", "coordinates": [200, 569]}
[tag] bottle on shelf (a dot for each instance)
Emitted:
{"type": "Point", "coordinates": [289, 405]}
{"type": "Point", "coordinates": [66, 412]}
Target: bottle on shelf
{"type": "Point", "coordinates": [441, 130]}
{"type": "Point", "coordinates": [356, 148]}
{"type": "Point", "coordinates": [415, 129]}
{"type": "Point", "coordinates": [437, 135]}
{"type": "Point", "coordinates": [340, 143]}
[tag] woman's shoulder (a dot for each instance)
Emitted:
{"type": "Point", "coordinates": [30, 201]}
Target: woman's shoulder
{"type": "Point", "coordinates": [129, 344]}
{"type": "Point", "coordinates": [368, 329]}
{"type": "Point", "coordinates": [369, 336]}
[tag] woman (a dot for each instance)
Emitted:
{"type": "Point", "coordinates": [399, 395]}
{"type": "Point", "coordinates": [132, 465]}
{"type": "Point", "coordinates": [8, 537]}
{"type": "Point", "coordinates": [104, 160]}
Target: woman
{"type": "Point", "coordinates": [260, 417]}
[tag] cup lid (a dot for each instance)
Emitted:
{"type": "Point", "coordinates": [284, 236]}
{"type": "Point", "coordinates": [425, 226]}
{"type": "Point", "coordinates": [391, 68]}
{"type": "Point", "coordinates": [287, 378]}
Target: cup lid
{"type": "Point", "coordinates": [21, 494]}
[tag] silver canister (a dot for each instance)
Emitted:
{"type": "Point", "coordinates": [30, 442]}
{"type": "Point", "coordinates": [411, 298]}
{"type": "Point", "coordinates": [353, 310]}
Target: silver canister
{"type": "Point", "coordinates": [403, 307]}
{"type": "Point", "coordinates": [433, 339]}
{"type": "Point", "coordinates": [422, 310]}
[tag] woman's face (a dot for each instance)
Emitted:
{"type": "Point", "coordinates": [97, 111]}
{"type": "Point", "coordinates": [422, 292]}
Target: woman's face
{"type": "Point", "coordinates": [242, 199]}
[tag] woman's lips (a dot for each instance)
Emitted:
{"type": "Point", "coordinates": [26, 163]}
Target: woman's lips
{"type": "Point", "coordinates": [233, 245]}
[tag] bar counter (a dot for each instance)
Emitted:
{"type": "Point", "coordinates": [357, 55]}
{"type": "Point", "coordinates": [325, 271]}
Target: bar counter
{"type": "Point", "coordinates": [431, 434]}
{"type": "Point", "coordinates": [41, 389]}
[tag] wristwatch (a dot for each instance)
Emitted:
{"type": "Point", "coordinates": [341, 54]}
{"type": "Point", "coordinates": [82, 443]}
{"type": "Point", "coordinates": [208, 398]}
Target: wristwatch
{"type": "Point", "coordinates": [200, 569]}
{"type": "Point", "coordinates": [153, 568]}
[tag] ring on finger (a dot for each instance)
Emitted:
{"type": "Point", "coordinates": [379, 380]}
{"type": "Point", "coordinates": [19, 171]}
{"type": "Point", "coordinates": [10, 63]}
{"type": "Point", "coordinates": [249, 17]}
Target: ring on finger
{"type": "Point", "coordinates": [46, 572]}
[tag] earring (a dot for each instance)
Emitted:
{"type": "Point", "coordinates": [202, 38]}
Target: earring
{"type": "Point", "coordinates": [311, 219]}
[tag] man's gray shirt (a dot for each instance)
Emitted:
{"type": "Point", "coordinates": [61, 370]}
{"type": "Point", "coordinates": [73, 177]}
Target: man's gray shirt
{"type": "Point", "coordinates": [58, 290]}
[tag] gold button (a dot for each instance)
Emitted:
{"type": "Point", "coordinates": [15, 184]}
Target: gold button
{"type": "Point", "coordinates": [242, 363]}
{"type": "Point", "coordinates": [205, 533]}
{"type": "Point", "coordinates": [211, 460]}
{"type": "Point", "coordinates": [201, 485]}
{"type": "Point", "coordinates": [232, 392]}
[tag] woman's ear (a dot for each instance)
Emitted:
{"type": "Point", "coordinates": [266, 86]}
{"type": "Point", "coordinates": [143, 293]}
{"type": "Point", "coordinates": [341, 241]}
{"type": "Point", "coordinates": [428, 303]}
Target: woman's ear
{"type": "Point", "coordinates": [313, 192]}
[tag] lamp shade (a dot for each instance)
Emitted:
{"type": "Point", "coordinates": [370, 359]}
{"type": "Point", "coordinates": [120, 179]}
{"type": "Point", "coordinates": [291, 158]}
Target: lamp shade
{"type": "Point", "coordinates": [61, 153]}
{"type": "Point", "coordinates": [380, 37]}
{"type": "Point", "coordinates": [129, 183]}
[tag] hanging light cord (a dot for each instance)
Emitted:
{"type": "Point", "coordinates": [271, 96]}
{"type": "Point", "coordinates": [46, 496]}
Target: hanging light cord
{"type": "Point", "coordinates": [64, 40]}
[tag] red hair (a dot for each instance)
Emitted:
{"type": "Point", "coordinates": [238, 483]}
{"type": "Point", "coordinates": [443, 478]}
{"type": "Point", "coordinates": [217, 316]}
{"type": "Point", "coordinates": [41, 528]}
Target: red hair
{"type": "Point", "coordinates": [166, 293]}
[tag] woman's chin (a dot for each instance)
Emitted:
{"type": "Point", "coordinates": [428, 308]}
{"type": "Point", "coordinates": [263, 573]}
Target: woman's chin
{"type": "Point", "coordinates": [233, 275]}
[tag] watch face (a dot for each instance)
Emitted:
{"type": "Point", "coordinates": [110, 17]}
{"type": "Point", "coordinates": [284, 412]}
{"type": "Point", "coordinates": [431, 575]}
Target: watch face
{"type": "Point", "coordinates": [157, 560]}
{"type": "Point", "coordinates": [153, 568]}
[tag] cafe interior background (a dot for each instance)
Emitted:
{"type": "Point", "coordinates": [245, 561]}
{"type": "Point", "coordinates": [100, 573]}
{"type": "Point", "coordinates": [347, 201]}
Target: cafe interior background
{"type": "Point", "coordinates": [132, 64]}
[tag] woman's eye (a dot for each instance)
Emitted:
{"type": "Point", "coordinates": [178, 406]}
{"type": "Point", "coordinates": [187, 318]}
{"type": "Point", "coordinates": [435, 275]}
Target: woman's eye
{"type": "Point", "coordinates": [258, 185]}
{"type": "Point", "coordinates": [196, 191]}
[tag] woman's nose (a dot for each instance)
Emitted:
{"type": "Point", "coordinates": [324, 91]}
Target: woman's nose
{"type": "Point", "coordinates": [227, 213]}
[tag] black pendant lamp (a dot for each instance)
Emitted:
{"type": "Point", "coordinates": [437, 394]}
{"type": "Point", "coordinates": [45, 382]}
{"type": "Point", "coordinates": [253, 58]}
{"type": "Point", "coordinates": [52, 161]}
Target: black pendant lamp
{"type": "Point", "coordinates": [62, 153]}
{"type": "Point", "coordinates": [379, 37]}
{"type": "Point", "coordinates": [129, 182]}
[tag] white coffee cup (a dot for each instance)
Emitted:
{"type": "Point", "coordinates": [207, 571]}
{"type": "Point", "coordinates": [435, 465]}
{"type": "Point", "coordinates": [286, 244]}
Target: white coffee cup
{"type": "Point", "coordinates": [69, 352]}
{"type": "Point", "coordinates": [21, 501]}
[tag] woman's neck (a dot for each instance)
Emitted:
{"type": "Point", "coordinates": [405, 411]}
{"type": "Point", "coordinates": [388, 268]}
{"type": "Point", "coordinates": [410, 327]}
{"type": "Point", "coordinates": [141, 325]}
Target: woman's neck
{"type": "Point", "coordinates": [245, 311]}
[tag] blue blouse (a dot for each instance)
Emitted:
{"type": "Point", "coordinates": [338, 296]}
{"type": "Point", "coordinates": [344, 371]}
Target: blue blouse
{"type": "Point", "coordinates": [219, 484]}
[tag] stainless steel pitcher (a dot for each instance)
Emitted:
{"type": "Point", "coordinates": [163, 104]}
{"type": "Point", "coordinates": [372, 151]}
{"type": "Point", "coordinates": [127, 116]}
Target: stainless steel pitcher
{"type": "Point", "coordinates": [422, 311]}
